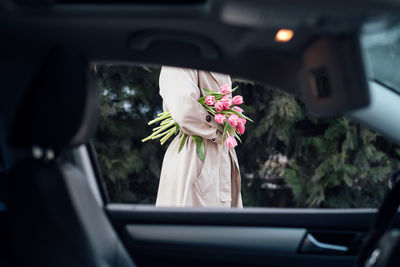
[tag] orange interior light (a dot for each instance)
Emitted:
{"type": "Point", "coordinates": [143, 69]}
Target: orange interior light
{"type": "Point", "coordinates": [283, 35]}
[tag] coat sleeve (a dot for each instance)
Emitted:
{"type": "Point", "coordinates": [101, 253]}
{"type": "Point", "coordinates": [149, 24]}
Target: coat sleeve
{"type": "Point", "coordinates": [178, 88]}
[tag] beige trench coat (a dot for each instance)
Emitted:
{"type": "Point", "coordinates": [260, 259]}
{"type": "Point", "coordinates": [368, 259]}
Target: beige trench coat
{"type": "Point", "coordinates": [186, 181]}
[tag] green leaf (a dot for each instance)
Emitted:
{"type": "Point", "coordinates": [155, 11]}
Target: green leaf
{"type": "Point", "coordinates": [238, 138]}
{"type": "Point", "coordinates": [232, 131]}
{"type": "Point", "coordinates": [208, 91]}
{"type": "Point", "coordinates": [199, 146]}
{"type": "Point", "coordinates": [347, 179]}
{"type": "Point", "coordinates": [184, 137]}
{"type": "Point", "coordinates": [210, 109]}
{"type": "Point", "coordinates": [241, 115]}
{"type": "Point", "coordinates": [226, 126]}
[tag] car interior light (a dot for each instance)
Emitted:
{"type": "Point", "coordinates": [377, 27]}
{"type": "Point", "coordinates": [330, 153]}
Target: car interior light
{"type": "Point", "coordinates": [284, 35]}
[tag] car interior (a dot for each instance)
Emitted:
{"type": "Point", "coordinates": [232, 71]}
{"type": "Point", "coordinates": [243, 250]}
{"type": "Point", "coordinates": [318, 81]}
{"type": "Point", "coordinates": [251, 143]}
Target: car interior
{"type": "Point", "coordinates": [53, 206]}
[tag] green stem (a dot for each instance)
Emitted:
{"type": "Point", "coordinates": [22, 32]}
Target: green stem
{"type": "Point", "coordinates": [164, 122]}
{"type": "Point", "coordinates": [165, 116]}
{"type": "Point", "coordinates": [158, 131]}
{"type": "Point", "coordinates": [211, 111]}
{"type": "Point", "coordinates": [165, 138]}
{"type": "Point", "coordinates": [164, 127]}
{"type": "Point", "coordinates": [155, 129]}
{"type": "Point", "coordinates": [162, 113]}
{"type": "Point", "coordinates": [161, 134]}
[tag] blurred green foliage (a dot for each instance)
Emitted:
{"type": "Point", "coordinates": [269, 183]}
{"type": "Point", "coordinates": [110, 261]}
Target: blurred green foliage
{"type": "Point", "coordinates": [288, 158]}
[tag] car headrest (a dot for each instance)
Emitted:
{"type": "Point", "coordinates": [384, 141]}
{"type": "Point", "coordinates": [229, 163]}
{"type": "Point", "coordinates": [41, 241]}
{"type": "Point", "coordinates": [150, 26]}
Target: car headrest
{"type": "Point", "coordinates": [60, 106]}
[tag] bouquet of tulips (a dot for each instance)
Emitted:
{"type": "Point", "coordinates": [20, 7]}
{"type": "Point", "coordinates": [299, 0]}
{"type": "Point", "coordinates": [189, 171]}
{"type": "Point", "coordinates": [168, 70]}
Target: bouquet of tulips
{"type": "Point", "coordinates": [222, 106]}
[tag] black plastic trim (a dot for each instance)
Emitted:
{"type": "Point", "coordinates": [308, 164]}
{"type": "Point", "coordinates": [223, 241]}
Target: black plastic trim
{"type": "Point", "coordinates": [332, 219]}
{"type": "Point", "coordinates": [97, 171]}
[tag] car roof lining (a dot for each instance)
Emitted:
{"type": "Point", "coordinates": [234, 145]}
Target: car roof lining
{"type": "Point", "coordinates": [104, 33]}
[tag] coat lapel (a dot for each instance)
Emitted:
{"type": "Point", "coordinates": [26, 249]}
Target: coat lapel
{"type": "Point", "coordinates": [220, 78]}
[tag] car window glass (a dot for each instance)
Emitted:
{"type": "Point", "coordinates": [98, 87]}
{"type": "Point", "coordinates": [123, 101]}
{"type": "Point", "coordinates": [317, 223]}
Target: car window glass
{"type": "Point", "coordinates": [381, 50]}
{"type": "Point", "coordinates": [288, 158]}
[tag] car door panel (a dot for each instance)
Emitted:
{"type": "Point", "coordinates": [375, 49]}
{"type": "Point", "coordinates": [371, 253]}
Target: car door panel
{"type": "Point", "coordinates": [268, 237]}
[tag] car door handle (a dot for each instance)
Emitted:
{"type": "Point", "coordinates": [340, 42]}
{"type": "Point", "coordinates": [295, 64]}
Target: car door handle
{"type": "Point", "coordinates": [312, 245]}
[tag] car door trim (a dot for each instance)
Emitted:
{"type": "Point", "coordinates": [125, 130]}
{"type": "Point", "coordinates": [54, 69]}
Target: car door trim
{"type": "Point", "coordinates": [266, 239]}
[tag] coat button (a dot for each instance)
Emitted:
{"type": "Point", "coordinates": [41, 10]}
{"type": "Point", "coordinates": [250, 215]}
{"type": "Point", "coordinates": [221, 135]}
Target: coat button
{"type": "Point", "coordinates": [208, 118]}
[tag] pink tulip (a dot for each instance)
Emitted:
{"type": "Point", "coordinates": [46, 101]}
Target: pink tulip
{"type": "Point", "coordinates": [219, 118]}
{"type": "Point", "coordinates": [227, 103]}
{"type": "Point", "coordinates": [243, 120]}
{"type": "Point", "coordinates": [225, 97]}
{"type": "Point", "coordinates": [241, 127]}
{"type": "Point", "coordinates": [225, 89]}
{"type": "Point", "coordinates": [238, 109]}
{"type": "Point", "coordinates": [219, 106]}
{"type": "Point", "coordinates": [233, 119]}
{"type": "Point", "coordinates": [210, 100]}
{"type": "Point", "coordinates": [237, 100]}
{"type": "Point", "coordinates": [230, 142]}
